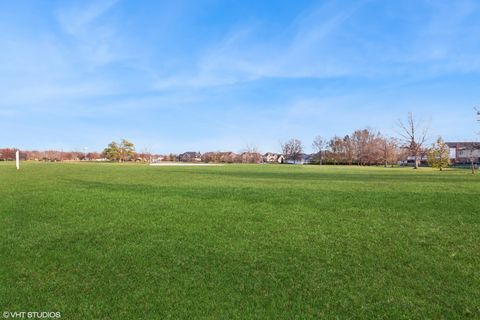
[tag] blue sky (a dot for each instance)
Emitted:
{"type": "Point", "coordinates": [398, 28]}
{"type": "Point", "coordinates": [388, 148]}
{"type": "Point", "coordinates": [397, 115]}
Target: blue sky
{"type": "Point", "coordinates": [176, 76]}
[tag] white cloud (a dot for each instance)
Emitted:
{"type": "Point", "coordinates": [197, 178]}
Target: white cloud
{"type": "Point", "coordinates": [295, 53]}
{"type": "Point", "coordinates": [95, 42]}
{"type": "Point", "coordinates": [50, 67]}
{"type": "Point", "coordinates": [77, 20]}
{"type": "Point", "coordinates": [324, 42]}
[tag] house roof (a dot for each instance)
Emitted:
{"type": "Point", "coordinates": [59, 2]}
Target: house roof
{"type": "Point", "coordinates": [463, 144]}
{"type": "Point", "coordinates": [190, 153]}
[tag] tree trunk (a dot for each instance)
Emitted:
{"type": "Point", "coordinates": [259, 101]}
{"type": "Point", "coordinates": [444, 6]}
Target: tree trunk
{"type": "Point", "coordinates": [416, 162]}
{"type": "Point", "coordinates": [473, 167]}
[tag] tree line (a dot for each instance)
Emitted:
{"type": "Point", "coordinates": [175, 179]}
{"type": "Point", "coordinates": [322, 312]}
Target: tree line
{"type": "Point", "coordinates": [8, 154]}
{"type": "Point", "coordinates": [364, 147]}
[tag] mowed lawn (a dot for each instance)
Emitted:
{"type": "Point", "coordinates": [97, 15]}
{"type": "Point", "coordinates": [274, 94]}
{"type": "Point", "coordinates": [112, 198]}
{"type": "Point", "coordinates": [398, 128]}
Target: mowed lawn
{"type": "Point", "coordinates": [109, 241]}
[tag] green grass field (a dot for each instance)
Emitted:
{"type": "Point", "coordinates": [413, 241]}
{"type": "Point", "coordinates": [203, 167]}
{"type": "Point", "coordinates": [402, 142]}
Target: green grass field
{"type": "Point", "coordinates": [110, 241]}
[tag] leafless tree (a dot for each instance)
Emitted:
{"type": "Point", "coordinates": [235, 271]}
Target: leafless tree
{"type": "Point", "coordinates": [366, 144]}
{"type": "Point", "coordinates": [389, 149]}
{"type": "Point", "coordinates": [292, 150]}
{"type": "Point", "coordinates": [318, 146]}
{"type": "Point", "coordinates": [251, 154]}
{"type": "Point", "coordinates": [414, 136]}
{"type": "Point", "coordinates": [250, 148]}
{"type": "Point", "coordinates": [336, 150]}
{"type": "Point", "coordinates": [471, 151]}
{"type": "Point", "coordinates": [473, 147]}
{"type": "Point", "coordinates": [145, 154]}
{"type": "Point", "coordinates": [341, 150]}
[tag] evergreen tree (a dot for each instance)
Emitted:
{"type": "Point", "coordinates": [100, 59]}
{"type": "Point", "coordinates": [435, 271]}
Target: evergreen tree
{"type": "Point", "coordinates": [439, 155]}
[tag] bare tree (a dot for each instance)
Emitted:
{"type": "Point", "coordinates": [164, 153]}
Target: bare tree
{"type": "Point", "coordinates": [341, 150]}
{"type": "Point", "coordinates": [414, 136]}
{"type": "Point", "coordinates": [366, 145]}
{"type": "Point", "coordinates": [146, 154]}
{"type": "Point", "coordinates": [472, 153]}
{"type": "Point", "coordinates": [336, 150]}
{"type": "Point", "coordinates": [292, 150]}
{"type": "Point", "coordinates": [389, 149]}
{"type": "Point", "coordinates": [251, 154]}
{"type": "Point", "coordinates": [250, 148]}
{"type": "Point", "coordinates": [318, 145]}
{"type": "Point", "coordinates": [473, 147]}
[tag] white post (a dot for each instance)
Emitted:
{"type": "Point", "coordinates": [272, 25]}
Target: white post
{"type": "Point", "coordinates": [17, 158]}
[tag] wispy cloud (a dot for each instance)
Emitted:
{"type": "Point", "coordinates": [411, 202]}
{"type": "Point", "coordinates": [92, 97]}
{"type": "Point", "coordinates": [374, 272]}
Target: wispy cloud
{"type": "Point", "coordinates": [56, 67]}
{"type": "Point", "coordinates": [180, 69]}
{"type": "Point", "coordinates": [77, 19]}
{"type": "Point", "coordinates": [327, 41]}
{"type": "Point", "coordinates": [294, 53]}
{"type": "Point", "coordinates": [94, 41]}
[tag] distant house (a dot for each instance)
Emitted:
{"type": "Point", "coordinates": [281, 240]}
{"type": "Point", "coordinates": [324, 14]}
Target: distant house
{"type": "Point", "coordinates": [410, 160]}
{"type": "Point", "coordinates": [271, 157]}
{"type": "Point", "coordinates": [303, 158]}
{"type": "Point", "coordinates": [308, 158]}
{"type": "Point", "coordinates": [157, 159]}
{"type": "Point", "coordinates": [190, 157]}
{"type": "Point", "coordinates": [463, 152]}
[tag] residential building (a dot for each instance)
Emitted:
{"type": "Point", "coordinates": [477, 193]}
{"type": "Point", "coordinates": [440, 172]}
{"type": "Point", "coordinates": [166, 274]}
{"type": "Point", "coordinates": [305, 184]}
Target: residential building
{"type": "Point", "coordinates": [464, 152]}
